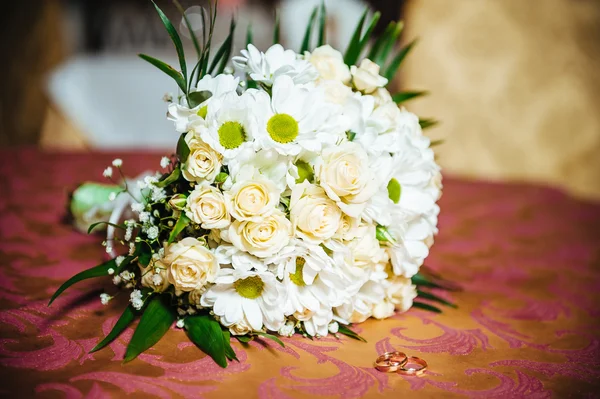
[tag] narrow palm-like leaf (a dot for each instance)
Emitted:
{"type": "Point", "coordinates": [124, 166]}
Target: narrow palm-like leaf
{"type": "Point", "coordinates": [394, 65]}
{"type": "Point", "coordinates": [124, 321]}
{"type": "Point", "coordinates": [367, 35]}
{"type": "Point", "coordinates": [425, 306]}
{"type": "Point", "coordinates": [277, 29]}
{"type": "Point", "coordinates": [222, 55]}
{"type": "Point", "coordinates": [427, 123]}
{"type": "Point", "coordinates": [309, 28]}
{"type": "Point", "coordinates": [349, 333]}
{"type": "Point", "coordinates": [181, 224]}
{"type": "Point", "coordinates": [353, 50]}
{"type": "Point", "coordinates": [183, 150]}
{"type": "Point", "coordinates": [172, 178]}
{"type": "Point", "coordinates": [189, 27]}
{"type": "Point", "coordinates": [420, 280]}
{"type": "Point", "coordinates": [206, 333]}
{"type": "Point", "coordinates": [176, 41]}
{"type": "Point", "coordinates": [381, 41]}
{"type": "Point", "coordinates": [229, 352]}
{"type": "Point", "coordinates": [435, 298]}
{"type": "Point", "coordinates": [98, 271]}
{"type": "Point", "coordinates": [435, 143]}
{"type": "Point", "coordinates": [156, 320]}
{"type": "Point", "coordinates": [322, 24]}
{"type": "Point", "coordinates": [169, 70]}
{"type": "Point", "coordinates": [389, 44]}
{"type": "Point", "coordinates": [407, 95]}
{"type": "Point", "coordinates": [249, 35]}
{"type": "Point", "coordinates": [244, 338]}
{"type": "Point", "coordinates": [271, 337]}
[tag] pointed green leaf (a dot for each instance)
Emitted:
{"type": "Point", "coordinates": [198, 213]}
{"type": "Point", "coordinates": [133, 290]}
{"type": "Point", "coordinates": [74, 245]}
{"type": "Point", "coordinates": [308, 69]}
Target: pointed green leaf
{"type": "Point", "coordinates": [407, 95]}
{"type": "Point", "coordinates": [183, 150]}
{"type": "Point", "coordinates": [181, 224]}
{"type": "Point", "coordinates": [244, 338]}
{"type": "Point", "coordinates": [436, 143]}
{"type": "Point", "coordinates": [435, 298]}
{"type": "Point", "coordinates": [421, 281]}
{"type": "Point", "coordinates": [249, 35]}
{"type": "Point", "coordinates": [169, 70]}
{"type": "Point", "coordinates": [367, 35]}
{"type": "Point", "coordinates": [381, 42]}
{"type": "Point", "coordinates": [307, 35]}
{"type": "Point", "coordinates": [394, 190]}
{"type": "Point", "coordinates": [353, 50]}
{"type": "Point", "coordinates": [189, 27]}
{"type": "Point", "coordinates": [271, 337]}
{"type": "Point", "coordinates": [382, 234]}
{"type": "Point", "coordinates": [94, 225]}
{"type": "Point", "coordinates": [98, 271]}
{"type": "Point", "coordinates": [427, 123]}
{"type": "Point", "coordinates": [176, 41]}
{"type": "Point", "coordinates": [206, 333]}
{"type": "Point", "coordinates": [124, 321]}
{"type": "Point", "coordinates": [424, 306]}
{"type": "Point", "coordinates": [322, 24]}
{"type": "Point", "coordinates": [350, 135]}
{"type": "Point", "coordinates": [156, 320]}
{"type": "Point", "coordinates": [277, 29]}
{"type": "Point", "coordinates": [349, 333]}
{"type": "Point", "coordinates": [224, 51]}
{"type": "Point", "coordinates": [394, 65]}
{"type": "Point", "coordinates": [229, 352]}
{"type": "Point", "coordinates": [172, 178]}
{"type": "Point", "coordinates": [389, 44]}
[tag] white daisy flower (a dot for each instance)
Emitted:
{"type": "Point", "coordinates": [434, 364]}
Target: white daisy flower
{"type": "Point", "coordinates": [243, 296]}
{"type": "Point", "coordinates": [267, 67]}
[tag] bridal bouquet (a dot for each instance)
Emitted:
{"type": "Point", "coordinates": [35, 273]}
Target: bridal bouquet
{"type": "Point", "coordinates": [301, 197]}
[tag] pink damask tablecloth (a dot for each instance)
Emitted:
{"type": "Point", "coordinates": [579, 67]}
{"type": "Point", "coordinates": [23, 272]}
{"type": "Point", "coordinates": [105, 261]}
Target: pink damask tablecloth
{"type": "Point", "coordinates": [527, 258]}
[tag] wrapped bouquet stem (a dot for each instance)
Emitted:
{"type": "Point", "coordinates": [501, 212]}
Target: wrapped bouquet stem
{"type": "Point", "coordinates": [301, 197]}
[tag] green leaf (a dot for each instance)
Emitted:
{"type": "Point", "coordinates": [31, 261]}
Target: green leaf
{"type": "Point", "coordinates": [181, 224]}
{"type": "Point", "coordinates": [196, 98]}
{"type": "Point", "coordinates": [305, 171]}
{"type": "Point", "coordinates": [322, 24]}
{"type": "Point", "coordinates": [183, 151]}
{"type": "Point", "coordinates": [189, 27]}
{"type": "Point", "coordinates": [94, 225]}
{"type": "Point", "coordinates": [353, 50]}
{"type": "Point", "coordinates": [244, 338]}
{"type": "Point", "coordinates": [422, 281]}
{"type": "Point", "coordinates": [224, 51]}
{"type": "Point", "coordinates": [404, 96]}
{"type": "Point", "coordinates": [277, 29]}
{"type": "Point", "coordinates": [172, 178]}
{"type": "Point", "coordinates": [394, 65]}
{"type": "Point", "coordinates": [435, 142]}
{"type": "Point", "coordinates": [144, 258]}
{"type": "Point", "coordinates": [169, 70]}
{"type": "Point", "coordinates": [427, 123]}
{"type": "Point", "coordinates": [435, 298]}
{"type": "Point", "coordinates": [424, 306]}
{"type": "Point", "coordinates": [306, 41]}
{"type": "Point", "coordinates": [176, 41]}
{"type": "Point", "coordinates": [229, 352]}
{"type": "Point", "coordinates": [394, 190]}
{"type": "Point", "coordinates": [367, 36]}
{"type": "Point", "coordinates": [206, 333]}
{"type": "Point", "coordinates": [249, 35]}
{"type": "Point", "coordinates": [156, 320]}
{"type": "Point", "coordinates": [221, 177]}
{"type": "Point", "coordinates": [349, 333]}
{"type": "Point", "coordinates": [350, 135]}
{"type": "Point", "coordinates": [382, 234]}
{"type": "Point", "coordinates": [381, 42]}
{"type": "Point", "coordinates": [98, 271]}
{"type": "Point", "coordinates": [269, 336]}
{"type": "Point", "coordinates": [389, 43]}
{"type": "Point", "coordinates": [125, 320]}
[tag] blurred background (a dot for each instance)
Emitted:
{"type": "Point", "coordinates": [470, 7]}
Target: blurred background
{"type": "Point", "coordinates": [515, 84]}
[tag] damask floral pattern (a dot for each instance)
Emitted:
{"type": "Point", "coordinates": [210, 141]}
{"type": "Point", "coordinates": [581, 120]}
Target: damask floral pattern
{"type": "Point", "coordinates": [527, 258]}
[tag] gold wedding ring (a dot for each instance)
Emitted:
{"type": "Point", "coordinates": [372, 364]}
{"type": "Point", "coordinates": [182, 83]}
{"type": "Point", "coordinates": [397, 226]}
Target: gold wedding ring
{"type": "Point", "coordinates": [413, 366]}
{"type": "Point", "coordinates": [390, 362]}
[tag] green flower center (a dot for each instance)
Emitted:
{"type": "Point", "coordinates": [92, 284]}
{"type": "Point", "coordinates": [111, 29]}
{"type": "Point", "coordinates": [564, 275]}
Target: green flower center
{"type": "Point", "coordinates": [296, 277]}
{"type": "Point", "coordinates": [231, 135]}
{"type": "Point", "coordinates": [282, 128]}
{"type": "Point", "coordinates": [250, 287]}
{"type": "Point", "coordinates": [202, 112]}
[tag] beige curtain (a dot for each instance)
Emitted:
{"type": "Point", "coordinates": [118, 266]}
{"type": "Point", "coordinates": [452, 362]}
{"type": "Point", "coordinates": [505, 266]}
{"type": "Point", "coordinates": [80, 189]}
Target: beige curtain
{"type": "Point", "coordinates": [516, 84]}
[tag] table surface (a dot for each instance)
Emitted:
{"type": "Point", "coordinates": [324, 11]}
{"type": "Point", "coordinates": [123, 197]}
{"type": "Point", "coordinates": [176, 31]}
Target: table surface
{"type": "Point", "coordinates": [527, 258]}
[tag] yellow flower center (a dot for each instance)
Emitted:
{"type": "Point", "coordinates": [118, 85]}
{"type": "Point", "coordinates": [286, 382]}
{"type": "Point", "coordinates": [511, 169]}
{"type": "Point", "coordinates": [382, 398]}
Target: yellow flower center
{"type": "Point", "coordinates": [202, 112]}
{"type": "Point", "coordinates": [250, 287]}
{"type": "Point", "coordinates": [231, 135]}
{"type": "Point", "coordinates": [296, 277]}
{"type": "Point", "coordinates": [282, 128]}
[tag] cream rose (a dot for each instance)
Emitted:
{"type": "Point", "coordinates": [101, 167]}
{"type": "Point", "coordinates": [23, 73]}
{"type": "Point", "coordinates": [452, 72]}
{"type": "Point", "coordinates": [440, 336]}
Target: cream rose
{"type": "Point", "coordinates": [349, 228]}
{"type": "Point", "coordinates": [264, 238]}
{"type": "Point", "coordinates": [335, 91]}
{"type": "Point", "coordinates": [154, 276]}
{"type": "Point", "coordinates": [191, 264]}
{"type": "Point", "coordinates": [242, 327]}
{"type": "Point", "coordinates": [252, 199]}
{"type": "Point", "coordinates": [330, 64]}
{"type": "Point", "coordinates": [346, 177]}
{"type": "Point", "coordinates": [203, 163]}
{"type": "Point", "coordinates": [313, 214]}
{"type": "Point", "coordinates": [382, 96]}
{"type": "Point", "coordinates": [366, 77]}
{"type": "Point", "coordinates": [195, 295]}
{"type": "Point", "coordinates": [206, 207]}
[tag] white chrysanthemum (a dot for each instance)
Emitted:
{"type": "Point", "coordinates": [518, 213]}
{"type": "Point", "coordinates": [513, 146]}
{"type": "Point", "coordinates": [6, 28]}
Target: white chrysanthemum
{"type": "Point", "coordinates": [399, 295]}
{"type": "Point", "coordinates": [218, 85]}
{"type": "Point", "coordinates": [267, 67]}
{"type": "Point", "coordinates": [295, 119]}
{"type": "Point", "coordinates": [229, 255]}
{"type": "Point", "coordinates": [268, 163]}
{"type": "Point", "coordinates": [360, 306]}
{"type": "Point", "coordinates": [243, 296]}
{"type": "Point", "coordinates": [230, 125]}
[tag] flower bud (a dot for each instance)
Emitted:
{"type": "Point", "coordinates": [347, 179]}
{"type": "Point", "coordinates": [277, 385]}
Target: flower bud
{"type": "Point", "coordinates": [178, 202]}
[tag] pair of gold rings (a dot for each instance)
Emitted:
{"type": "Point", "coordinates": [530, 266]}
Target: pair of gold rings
{"type": "Point", "coordinates": [398, 362]}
